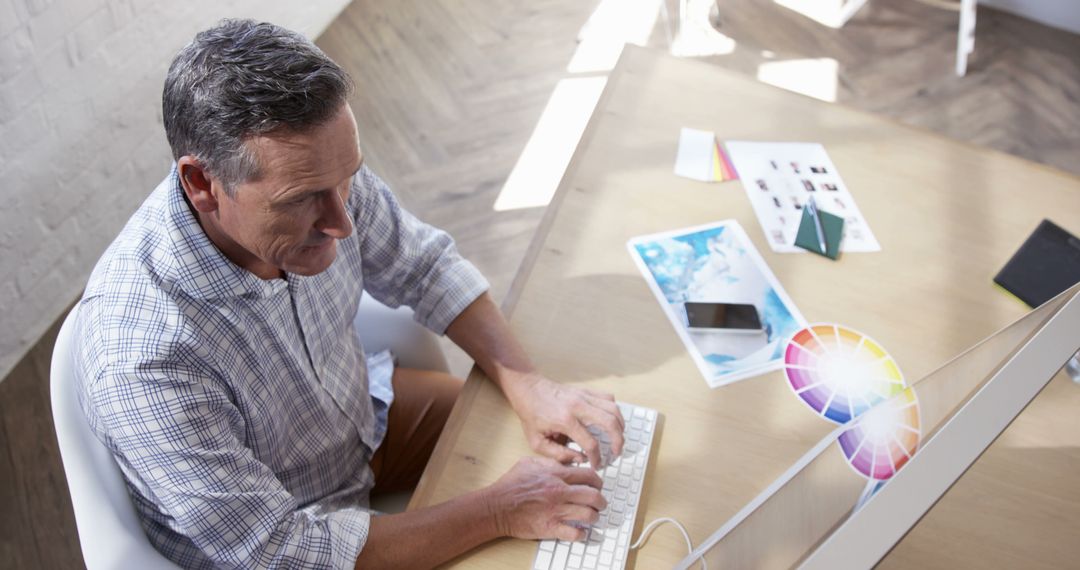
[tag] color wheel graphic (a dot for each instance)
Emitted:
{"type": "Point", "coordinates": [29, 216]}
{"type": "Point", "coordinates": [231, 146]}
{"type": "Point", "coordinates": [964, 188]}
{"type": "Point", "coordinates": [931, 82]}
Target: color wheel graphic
{"type": "Point", "coordinates": [883, 439]}
{"type": "Point", "coordinates": [839, 372]}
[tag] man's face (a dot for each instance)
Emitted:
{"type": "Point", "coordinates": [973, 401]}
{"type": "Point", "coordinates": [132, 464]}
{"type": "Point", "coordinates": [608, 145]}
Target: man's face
{"type": "Point", "coordinates": [290, 217]}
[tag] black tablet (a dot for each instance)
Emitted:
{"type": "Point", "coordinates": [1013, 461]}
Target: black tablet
{"type": "Point", "coordinates": [1047, 264]}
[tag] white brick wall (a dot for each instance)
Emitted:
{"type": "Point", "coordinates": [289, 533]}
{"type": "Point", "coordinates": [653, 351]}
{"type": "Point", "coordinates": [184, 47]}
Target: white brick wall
{"type": "Point", "coordinates": [81, 142]}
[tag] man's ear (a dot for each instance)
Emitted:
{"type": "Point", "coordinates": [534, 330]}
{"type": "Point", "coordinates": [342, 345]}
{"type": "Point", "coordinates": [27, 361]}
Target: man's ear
{"type": "Point", "coordinates": [197, 183]}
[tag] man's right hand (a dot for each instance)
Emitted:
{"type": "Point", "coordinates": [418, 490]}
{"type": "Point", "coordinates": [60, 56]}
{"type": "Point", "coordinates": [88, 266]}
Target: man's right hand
{"type": "Point", "coordinates": [540, 498]}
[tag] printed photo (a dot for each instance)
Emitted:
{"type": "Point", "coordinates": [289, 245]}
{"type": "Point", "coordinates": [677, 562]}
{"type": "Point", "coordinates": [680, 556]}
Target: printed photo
{"type": "Point", "coordinates": [718, 264]}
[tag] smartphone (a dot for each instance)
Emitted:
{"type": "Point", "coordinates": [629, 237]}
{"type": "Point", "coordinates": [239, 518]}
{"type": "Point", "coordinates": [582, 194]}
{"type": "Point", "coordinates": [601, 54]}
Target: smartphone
{"type": "Point", "coordinates": [734, 317]}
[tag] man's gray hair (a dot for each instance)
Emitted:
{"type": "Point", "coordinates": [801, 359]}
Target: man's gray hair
{"type": "Point", "coordinates": [241, 79]}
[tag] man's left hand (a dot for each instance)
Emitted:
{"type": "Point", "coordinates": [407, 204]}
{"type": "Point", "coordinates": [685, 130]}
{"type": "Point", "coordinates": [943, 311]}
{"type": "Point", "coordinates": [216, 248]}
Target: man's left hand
{"type": "Point", "coordinates": [551, 413]}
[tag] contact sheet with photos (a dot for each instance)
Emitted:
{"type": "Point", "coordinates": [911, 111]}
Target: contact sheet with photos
{"type": "Point", "coordinates": [779, 178]}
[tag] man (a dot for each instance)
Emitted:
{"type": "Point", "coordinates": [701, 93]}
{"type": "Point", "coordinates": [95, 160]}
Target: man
{"type": "Point", "coordinates": [218, 360]}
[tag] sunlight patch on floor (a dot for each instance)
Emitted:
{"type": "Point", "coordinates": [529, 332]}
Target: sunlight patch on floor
{"type": "Point", "coordinates": [816, 78]}
{"type": "Point", "coordinates": [613, 24]}
{"type": "Point", "coordinates": [540, 167]}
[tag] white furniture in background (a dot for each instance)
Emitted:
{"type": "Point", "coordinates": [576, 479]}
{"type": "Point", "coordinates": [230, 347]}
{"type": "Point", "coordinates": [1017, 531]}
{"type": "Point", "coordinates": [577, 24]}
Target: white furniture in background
{"type": "Point", "coordinates": [965, 36]}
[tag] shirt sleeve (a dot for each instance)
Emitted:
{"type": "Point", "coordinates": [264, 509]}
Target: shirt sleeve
{"type": "Point", "coordinates": [408, 262]}
{"type": "Point", "coordinates": [183, 437]}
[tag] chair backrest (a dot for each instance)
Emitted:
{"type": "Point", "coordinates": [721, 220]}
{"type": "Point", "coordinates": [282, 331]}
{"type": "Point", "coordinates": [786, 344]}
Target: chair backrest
{"type": "Point", "coordinates": [381, 327]}
{"type": "Point", "coordinates": [109, 530]}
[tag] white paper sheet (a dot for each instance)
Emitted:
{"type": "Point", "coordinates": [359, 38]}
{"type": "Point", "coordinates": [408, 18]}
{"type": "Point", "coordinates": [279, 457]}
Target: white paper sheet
{"type": "Point", "coordinates": [695, 157]}
{"type": "Point", "coordinates": [780, 177]}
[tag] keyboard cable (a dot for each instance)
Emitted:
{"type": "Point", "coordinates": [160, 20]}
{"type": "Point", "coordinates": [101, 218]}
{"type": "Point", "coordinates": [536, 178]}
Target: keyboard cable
{"type": "Point", "coordinates": [649, 528]}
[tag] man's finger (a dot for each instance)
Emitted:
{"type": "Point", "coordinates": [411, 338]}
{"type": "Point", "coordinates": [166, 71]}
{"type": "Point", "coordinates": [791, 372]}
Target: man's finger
{"type": "Point", "coordinates": [579, 514]}
{"type": "Point", "coordinates": [569, 533]}
{"type": "Point", "coordinates": [608, 405]}
{"type": "Point", "coordinates": [581, 476]}
{"type": "Point", "coordinates": [609, 423]}
{"type": "Point", "coordinates": [586, 442]}
{"type": "Point", "coordinates": [587, 496]}
{"type": "Point", "coordinates": [560, 453]}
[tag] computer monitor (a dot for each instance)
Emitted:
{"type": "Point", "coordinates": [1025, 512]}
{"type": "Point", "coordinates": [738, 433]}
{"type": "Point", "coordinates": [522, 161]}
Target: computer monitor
{"type": "Point", "coordinates": [820, 514]}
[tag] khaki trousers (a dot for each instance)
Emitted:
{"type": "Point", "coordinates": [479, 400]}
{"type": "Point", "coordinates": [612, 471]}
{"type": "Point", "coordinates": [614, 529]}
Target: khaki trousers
{"type": "Point", "coordinates": [422, 402]}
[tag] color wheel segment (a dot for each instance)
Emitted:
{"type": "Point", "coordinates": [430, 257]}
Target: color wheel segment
{"type": "Point", "coordinates": [839, 372]}
{"type": "Point", "coordinates": [883, 439]}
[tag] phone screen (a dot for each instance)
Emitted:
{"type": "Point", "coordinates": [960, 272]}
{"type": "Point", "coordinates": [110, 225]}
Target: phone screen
{"type": "Point", "coordinates": [738, 316]}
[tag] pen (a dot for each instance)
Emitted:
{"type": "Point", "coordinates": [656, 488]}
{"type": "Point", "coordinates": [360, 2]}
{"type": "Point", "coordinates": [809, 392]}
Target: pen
{"type": "Point", "coordinates": [812, 208]}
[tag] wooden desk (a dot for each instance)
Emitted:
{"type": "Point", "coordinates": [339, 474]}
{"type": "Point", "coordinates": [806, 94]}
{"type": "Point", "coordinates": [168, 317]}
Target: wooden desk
{"type": "Point", "coordinates": [948, 216]}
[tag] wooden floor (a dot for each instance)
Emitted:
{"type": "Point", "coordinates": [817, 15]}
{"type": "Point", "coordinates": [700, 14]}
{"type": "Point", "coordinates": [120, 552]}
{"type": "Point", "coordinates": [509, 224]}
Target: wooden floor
{"type": "Point", "coordinates": [449, 92]}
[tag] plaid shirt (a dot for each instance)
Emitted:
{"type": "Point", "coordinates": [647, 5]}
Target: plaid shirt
{"type": "Point", "coordinates": [238, 408]}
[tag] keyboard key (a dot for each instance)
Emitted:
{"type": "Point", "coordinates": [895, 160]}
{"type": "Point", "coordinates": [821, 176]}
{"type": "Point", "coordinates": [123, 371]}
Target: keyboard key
{"type": "Point", "coordinates": [543, 559]}
{"type": "Point", "coordinates": [562, 551]}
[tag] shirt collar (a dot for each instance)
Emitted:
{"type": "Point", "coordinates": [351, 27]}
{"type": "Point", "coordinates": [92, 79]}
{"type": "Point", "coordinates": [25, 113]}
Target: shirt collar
{"type": "Point", "coordinates": [203, 271]}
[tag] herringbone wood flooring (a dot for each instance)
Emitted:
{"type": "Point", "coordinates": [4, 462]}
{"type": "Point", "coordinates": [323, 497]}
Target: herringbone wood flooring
{"type": "Point", "coordinates": [450, 90]}
{"type": "Point", "coordinates": [896, 58]}
{"type": "Point", "coordinates": [448, 94]}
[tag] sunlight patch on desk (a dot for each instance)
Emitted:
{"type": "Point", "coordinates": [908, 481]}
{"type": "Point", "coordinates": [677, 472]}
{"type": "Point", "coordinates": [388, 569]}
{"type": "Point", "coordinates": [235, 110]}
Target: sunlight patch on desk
{"type": "Point", "coordinates": [696, 36]}
{"type": "Point", "coordinates": [540, 167]}
{"type": "Point", "coordinates": [613, 24]}
{"type": "Point", "coordinates": [813, 77]}
{"type": "Point", "coordinates": [1066, 443]}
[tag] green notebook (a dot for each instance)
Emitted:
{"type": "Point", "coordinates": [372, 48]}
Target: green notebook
{"type": "Point", "coordinates": [832, 226]}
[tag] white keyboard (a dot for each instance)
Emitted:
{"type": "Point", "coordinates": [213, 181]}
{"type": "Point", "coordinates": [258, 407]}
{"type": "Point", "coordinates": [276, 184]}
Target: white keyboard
{"type": "Point", "coordinates": [608, 542]}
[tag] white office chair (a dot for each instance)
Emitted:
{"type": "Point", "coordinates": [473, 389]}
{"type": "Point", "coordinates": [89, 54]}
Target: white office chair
{"type": "Point", "coordinates": [109, 530]}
